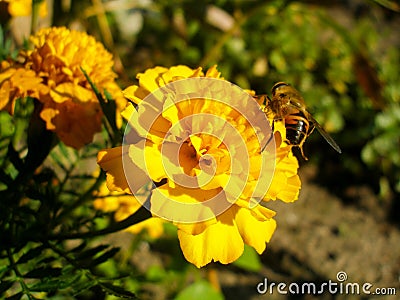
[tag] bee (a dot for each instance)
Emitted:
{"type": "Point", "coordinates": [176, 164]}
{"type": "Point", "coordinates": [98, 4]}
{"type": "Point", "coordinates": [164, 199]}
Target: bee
{"type": "Point", "coordinates": [288, 105]}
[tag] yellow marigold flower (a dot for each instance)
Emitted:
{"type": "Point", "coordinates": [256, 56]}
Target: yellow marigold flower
{"type": "Point", "coordinates": [19, 8]}
{"type": "Point", "coordinates": [70, 106]}
{"type": "Point", "coordinates": [125, 205]}
{"type": "Point", "coordinates": [204, 151]}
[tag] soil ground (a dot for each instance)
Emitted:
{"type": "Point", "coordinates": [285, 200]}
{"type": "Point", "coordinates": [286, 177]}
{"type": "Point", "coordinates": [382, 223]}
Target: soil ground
{"type": "Point", "coordinates": [320, 235]}
{"type": "Point", "coordinates": [317, 237]}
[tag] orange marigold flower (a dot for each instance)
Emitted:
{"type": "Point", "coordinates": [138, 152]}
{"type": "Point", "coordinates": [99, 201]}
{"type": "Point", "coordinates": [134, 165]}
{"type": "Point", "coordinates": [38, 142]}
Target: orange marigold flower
{"type": "Point", "coordinates": [70, 106]}
{"type": "Point", "coordinates": [200, 138]}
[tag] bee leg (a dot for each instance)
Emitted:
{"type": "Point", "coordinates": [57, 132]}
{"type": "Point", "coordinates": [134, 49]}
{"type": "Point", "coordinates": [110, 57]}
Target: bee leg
{"type": "Point", "coordinates": [302, 152]}
{"type": "Point", "coordinates": [312, 127]}
{"type": "Point", "coordinates": [270, 137]}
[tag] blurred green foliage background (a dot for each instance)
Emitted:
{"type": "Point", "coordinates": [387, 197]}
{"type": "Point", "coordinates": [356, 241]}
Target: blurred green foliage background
{"type": "Point", "coordinates": [343, 56]}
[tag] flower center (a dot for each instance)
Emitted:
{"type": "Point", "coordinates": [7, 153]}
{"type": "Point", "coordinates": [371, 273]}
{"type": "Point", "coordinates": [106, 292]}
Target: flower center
{"type": "Point", "coordinates": [188, 157]}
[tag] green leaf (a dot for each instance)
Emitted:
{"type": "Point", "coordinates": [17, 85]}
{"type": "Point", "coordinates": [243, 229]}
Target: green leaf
{"type": "Point", "coordinates": [7, 126]}
{"type": "Point", "coordinates": [103, 257]}
{"type": "Point", "coordinates": [5, 285]}
{"type": "Point", "coordinates": [91, 252]}
{"type": "Point", "coordinates": [200, 290]}
{"type": "Point", "coordinates": [117, 291]}
{"type": "Point", "coordinates": [32, 253]}
{"type": "Point", "coordinates": [250, 260]}
{"type": "Point", "coordinates": [79, 248]}
{"type": "Point", "coordinates": [54, 284]}
{"type": "Point", "coordinates": [44, 272]}
{"type": "Point", "coordinates": [47, 286]}
{"type": "Point", "coordinates": [82, 286]}
{"type": "Point", "coordinates": [15, 296]}
{"type": "Point", "coordinates": [108, 105]}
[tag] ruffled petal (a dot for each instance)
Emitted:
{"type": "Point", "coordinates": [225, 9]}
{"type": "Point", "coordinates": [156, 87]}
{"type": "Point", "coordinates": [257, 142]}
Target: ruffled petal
{"type": "Point", "coordinates": [254, 232]}
{"type": "Point", "coordinates": [218, 242]}
{"type": "Point", "coordinates": [122, 173]}
{"type": "Point", "coordinates": [291, 191]}
{"type": "Point", "coordinates": [187, 205]}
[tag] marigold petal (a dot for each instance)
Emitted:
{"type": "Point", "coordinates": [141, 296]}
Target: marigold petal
{"type": "Point", "coordinates": [135, 93]}
{"type": "Point", "coordinates": [150, 79]}
{"type": "Point", "coordinates": [198, 72]}
{"type": "Point", "coordinates": [110, 160]}
{"type": "Point", "coordinates": [218, 242]}
{"type": "Point", "coordinates": [75, 124]}
{"type": "Point", "coordinates": [177, 72]}
{"type": "Point", "coordinates": [70, 91]}
{"type": "Point", "coordinates": [260, 212]}
{"type": "Point", "coordinates": [48, 114]}
{"type": "Point", "coordinates": [254, 232]}
{"type": "Point", "coordinates": [291, 191]}
{"type": "Point", "coordinates": [147, 121]}
{"type": "Point", "coordinates": [186, 205]}
{"type": "Point", "coordinates": [196, 228]}
{"type": "Point", "coordinates": [146, 156]}
{"type": "Point", "coordinates": [213, 72]}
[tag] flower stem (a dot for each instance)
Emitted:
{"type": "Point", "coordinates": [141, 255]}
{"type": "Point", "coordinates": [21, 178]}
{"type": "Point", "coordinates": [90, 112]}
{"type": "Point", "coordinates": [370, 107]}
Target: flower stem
{"type": "Point", "coordinates": [140, 215]}
{"type": "Point", "coordinates": [35, 15]}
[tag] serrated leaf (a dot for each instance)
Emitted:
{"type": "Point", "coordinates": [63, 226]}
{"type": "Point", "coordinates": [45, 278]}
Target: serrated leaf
{"type": "Point", "coordinates": [103, 257]}
{"type": "Point", "coordinates": [54, 284]}
{"type": "Point", "coordinates": [46, 286]}
{"type": "Point", "coordinates": [82, 286]}
{"type": "Point", "coordinates": [79, 248]}
{"type": "Point", "coordinates": [15, 296]}
{"type": "Point", "coordinates": [117, 291]}
{"type": "Point", "coordinates": [5, 285]}
{"type": "Point", "coordinates": [43, 272]}
{"type": "Point", "coordinates": [32, 253]}
{"type": "Point", "coordinates": [4, 268]}
{"type": "Point", "coordinates": [47, 260]}
{"type": "Point", "coordinates": [200, 290]}
{"type": "Point", "coordinates": [57, 159]}
{"type": "Point", "coordinates": [91, 252]}
{"type": "Point", "coordinates": [249, 260]}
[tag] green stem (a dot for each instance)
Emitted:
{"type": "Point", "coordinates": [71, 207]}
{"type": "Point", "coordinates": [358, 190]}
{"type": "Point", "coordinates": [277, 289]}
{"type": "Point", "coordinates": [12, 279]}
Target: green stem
{"type": "Point", "coordinates": [35, 15]}
{"type": "Point", "coordinates": [140, 215]}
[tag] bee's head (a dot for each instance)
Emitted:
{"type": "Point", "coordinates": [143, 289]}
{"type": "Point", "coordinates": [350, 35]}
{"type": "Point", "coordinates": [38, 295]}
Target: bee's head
{"type": "Point", "coordinates": [280, 88]}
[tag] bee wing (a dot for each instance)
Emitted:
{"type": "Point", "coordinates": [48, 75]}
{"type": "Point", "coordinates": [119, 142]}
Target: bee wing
{"type": "Point", "coordinates": [325, 135]}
